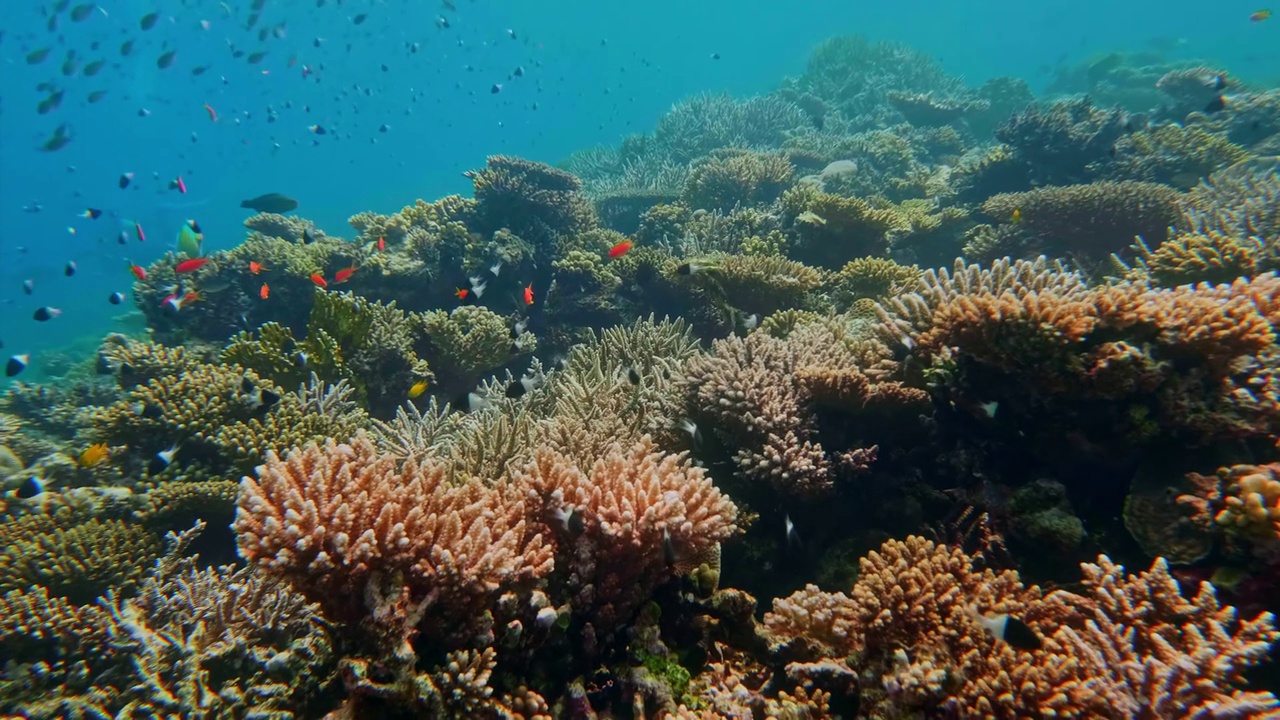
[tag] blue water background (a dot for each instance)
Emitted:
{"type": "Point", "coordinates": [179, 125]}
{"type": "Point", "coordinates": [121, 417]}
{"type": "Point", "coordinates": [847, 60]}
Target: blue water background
{"type": "Point", "coordinates": [597, 71]}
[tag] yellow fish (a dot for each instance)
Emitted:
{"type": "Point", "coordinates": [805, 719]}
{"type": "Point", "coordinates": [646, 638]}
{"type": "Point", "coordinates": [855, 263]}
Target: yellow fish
{"type": "Point", "coordinates": [94, 454]}
{"type": "Point", "coordinates": [1017, 216]}
{"type": "Point", "coordinates": [418, 388]}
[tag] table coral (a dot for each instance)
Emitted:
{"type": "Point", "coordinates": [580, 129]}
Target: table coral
{"type": "Point", "coordinates": [1090, 221]}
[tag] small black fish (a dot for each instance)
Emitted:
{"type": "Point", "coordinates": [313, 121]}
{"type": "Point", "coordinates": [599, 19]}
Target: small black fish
{"type": "Point", "coordinates": [45, 314]}
{"type": "Point", "coordinates": [28, 286]}
{"type": "Point", "coordinates": [96, 96]}
{"type": "Point", "coordinates": [70, 269]}
{"type": "Point", "coordinates": [633, 377]}
{"type": "Point", "coordinates": [497, 88]}
{"type": "Point", "coordinates": [93, 68]}
{"type": "Point", "coordinates": [16, 364]}
{"type": "Point", "coordinates": [80, 12]}
{"type": "Point", "coordinates": [30, 487]}
{"type": "Point", "coordinates": [255, 58]}
{"type": "Point", "coordinates": [149, 20]}
{"type": "Point", "coordinates": [125, 179]}
{"type": "Point", "coordinates": [92, 213]}
{"type": "Point", "coordinates": [116, 298]}
{"type": "Point", "coordinates": [359, 19]}
{"type": "Point", "coordinates": [1217, 104]}
{"type": "Point", "coordinates": [384, 127]}
{"type": "Point", "coordinates": [123, 238]}
{"type": "Point", "coordinates": [165, 60]}
{"type": "Point", "coordinates": [307, 237]}
{"type": "Point", "coordinates": [149, 411]}
{"type": "Point", "coordinates": [35, 57]}
{"type": "Point", "coordinates": [715, 56]}
{"type": "Point", "coordinates": [126, 48]}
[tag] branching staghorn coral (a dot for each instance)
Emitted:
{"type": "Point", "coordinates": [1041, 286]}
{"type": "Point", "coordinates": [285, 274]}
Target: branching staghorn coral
{"type": "Point", "coordinates": [643, 513]}
{"type": "Point", "coordinates": [375, 342]}
{"type": "Point", "coordinates": [617, 387]}
{"type": "Point", "coordinates": [1170, 154]}
{"type": "Point", "coordinates": [854, 75]}
{"type": "Point", "coordinates": [1132, 644]}
{"type": "Point", "coordinates": [1059, 142]}
{"type": "Point", "coordinates": [167, 649]}
{"type": "Point", "coordinates": [759, 392]}
{"type": "Point", "coordinates": [1030, 325]}
{"type": "Point", "coordinates": [730, 178]}
{"type": "Point", "coordinates": [74, 558]}
{"type": "Point", "coordinates": [1210, 256]}
{"type": "Point", "coordinates": [1242, 201]}
{"type": "Point", "coordinates": [344, 524]}
{"type": "Point", "coordinates": [752, 284]}
{"type": "Point", "coordinates": [831, 230]}
{"type": "Point", "coordinates": [534, 201]}
{"type": "Point", "coordinates": [467, 341]}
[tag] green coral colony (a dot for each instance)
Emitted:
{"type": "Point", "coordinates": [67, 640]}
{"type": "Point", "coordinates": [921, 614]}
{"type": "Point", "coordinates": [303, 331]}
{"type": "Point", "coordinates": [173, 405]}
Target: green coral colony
{"type": "Point", "coordinates": [554, 450]}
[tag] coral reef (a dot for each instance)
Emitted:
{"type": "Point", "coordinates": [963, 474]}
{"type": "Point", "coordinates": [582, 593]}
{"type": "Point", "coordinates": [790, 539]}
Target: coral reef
{"type": "Point", "coordinates": [1084, 222]}
{"type": "Point", "coordinates": [915, 623]}
{"type": "Point", "coordinates": [534, 453]}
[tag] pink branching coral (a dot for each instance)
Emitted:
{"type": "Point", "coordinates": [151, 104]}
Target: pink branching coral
{"type": "Point", "coordinates": [1131, 647]}
{"type": "Point", "coordinates": [627, 525]}
{"type": "Point", "coordinates": [345, 524]}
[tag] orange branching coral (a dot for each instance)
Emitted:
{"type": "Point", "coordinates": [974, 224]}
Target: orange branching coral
{"type": "Point", "coordinates": [340, 520]}
{"type": "Point", "coordinates": [1132, 647]}
{"type": "Point", "coordinates": [1032, 325]}
{"type": "Point", "coordinates": [627, 525]}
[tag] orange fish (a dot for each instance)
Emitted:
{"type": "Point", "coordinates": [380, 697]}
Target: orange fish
{"type": "Point", "coordinates": [528, 294]}
{"type": "Point", "coordinates": [213, 114]}
{"type": "Point", "coordinates": [382, 243]}
{"type": "Point", "coordinates": [138, 271]}
{"type": "Point", "coordinates": [1260, 15]}
{"type": "Point", "coordinates": [256, 267]}
{"type": "Point", "coordinates": [462, 293]}
{"type": "Point", "coordinates": [343, 275]}
{"type": "Point", "coordinates": [265, 292]}
{"type": "Point", "coordinates": [319, 280]}
{"type": "Point", "coordinates": [94, 454]}
{"type": "Point", "coordinates": [621, 249]}
{"type": "Point", "coordinates": [191, 265]}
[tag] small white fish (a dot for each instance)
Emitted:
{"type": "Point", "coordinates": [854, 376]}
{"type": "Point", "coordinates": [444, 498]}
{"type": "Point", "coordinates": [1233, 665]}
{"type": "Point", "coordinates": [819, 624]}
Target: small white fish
{"type": "Point", "coordinates": [751, 322]}
{"type": "Point", "coordinates": [793, 537]}
{"type": "Point", "coordinates": [496, 268]}
{"type": "Point", "coordinates": [989, 408]}
{"type": "Point", "coordinates": [478, 285]}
